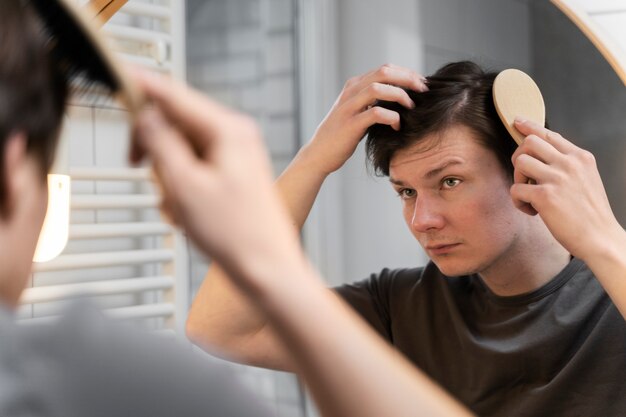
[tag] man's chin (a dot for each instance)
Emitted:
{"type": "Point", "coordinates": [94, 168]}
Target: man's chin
{"type": "Point", "coordinates": [455, 268]}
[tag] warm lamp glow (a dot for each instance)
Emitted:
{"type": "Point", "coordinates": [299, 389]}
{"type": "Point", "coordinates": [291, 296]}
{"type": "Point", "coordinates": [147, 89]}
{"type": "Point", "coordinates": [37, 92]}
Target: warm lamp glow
{"type": "Point", "coordinates": [55, 230]}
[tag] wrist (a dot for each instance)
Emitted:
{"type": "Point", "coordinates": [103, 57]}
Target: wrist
{"type": "Point", "coordinates": [315, 161]}
{"type": "Point", "coordinates": [271, 279]}
{"type": "Point", "coordinates": [260, 267]}
{"type": "Point", "coordinates": [609, 250]}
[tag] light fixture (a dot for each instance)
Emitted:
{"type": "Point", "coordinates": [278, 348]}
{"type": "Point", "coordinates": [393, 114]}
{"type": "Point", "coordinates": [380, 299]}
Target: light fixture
{"type": "Point", "coordinates": [55, 231]}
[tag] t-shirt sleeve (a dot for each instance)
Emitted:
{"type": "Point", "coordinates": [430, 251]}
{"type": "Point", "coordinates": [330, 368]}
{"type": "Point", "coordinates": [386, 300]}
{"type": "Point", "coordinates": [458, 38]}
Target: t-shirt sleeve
{"type": "Point", "coordinates": [370, 298]}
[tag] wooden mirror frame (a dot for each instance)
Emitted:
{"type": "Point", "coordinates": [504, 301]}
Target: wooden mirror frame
{"type": "Point", "coordinates": [608, 46]}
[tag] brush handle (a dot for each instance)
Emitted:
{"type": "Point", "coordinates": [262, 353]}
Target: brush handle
{"type": "Point", "coordinates": [103, 10]}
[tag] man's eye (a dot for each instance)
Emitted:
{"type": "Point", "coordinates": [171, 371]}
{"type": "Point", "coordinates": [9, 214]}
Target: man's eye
{"type": "Point", "coordinates": [451, 182]}
{"type": "Point", "coordinates": [406, 193]}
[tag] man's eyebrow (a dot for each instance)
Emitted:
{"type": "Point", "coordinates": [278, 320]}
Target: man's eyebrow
{"type": "Point", "coordinates": [436, 171]}
{"type": "Point", "coordinates": [432, 173]}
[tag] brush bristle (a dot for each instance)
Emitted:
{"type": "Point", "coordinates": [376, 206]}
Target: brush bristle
{"type": "Point", "coordinates": [78, 57]}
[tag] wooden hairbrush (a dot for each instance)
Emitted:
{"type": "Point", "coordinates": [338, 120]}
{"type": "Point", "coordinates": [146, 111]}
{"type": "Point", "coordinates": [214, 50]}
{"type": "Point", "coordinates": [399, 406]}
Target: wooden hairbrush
{"type": "Point", "coordinates": [103, 10]}
{"type": "Point", "coordinates": [515, 94]}
{"type": "Point", "coordinates": [81, 50]}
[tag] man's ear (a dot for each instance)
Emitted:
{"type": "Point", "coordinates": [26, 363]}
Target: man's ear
{"type": "Point", "coordinates": [13, 157]}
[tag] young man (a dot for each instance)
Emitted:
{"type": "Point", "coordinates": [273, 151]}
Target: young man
{"type": "Point", "coordinates": [516, 314]}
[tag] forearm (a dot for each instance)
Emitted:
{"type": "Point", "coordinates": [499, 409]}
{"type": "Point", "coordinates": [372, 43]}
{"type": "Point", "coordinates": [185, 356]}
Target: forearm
{"type": "Point", "coordinates": [335, 351]}
{"type": "Point", "coordinates": [220, 312]}
{"type": "Point", "coordinates": [216, 302]}
{"type": "Point", "coordinates": [608, 263]}
{"type": "Point", "coordinates": [299, 186]}
{"type": "Point", "coordinates": [223, 321]}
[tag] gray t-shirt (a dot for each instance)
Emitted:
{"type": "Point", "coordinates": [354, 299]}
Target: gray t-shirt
{"type": "Point", "coordinates": [84, 365]}
{"type": "Point", "coordinates": [557, 351]}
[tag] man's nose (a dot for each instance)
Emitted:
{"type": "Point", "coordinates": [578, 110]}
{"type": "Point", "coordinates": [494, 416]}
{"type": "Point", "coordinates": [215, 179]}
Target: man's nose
{"type": "Point", "coordinates": [426, 217]}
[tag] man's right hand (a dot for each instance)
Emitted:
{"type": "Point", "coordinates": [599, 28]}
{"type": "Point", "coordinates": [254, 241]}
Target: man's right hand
{"type": "Point", "coordinates": [353, 113]}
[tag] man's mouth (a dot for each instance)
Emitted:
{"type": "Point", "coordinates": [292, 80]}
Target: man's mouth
{"type": "Point", "coordinates": [441, 249]}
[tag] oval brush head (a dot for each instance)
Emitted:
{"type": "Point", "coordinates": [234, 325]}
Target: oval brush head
{"type": "Point", "coordinates": [81, 51]}
{"type": "Point", "coordinates": [515, 94]}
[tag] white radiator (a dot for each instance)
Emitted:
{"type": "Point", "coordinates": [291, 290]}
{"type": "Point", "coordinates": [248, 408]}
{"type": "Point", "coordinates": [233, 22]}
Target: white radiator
{"type": "Point", "coordinates": [120, 253]}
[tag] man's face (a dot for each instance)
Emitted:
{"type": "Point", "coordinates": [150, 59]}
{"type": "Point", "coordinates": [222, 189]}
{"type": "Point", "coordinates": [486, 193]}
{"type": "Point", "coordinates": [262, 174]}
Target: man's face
{"type": "Point", "coordinates": [456, 201]}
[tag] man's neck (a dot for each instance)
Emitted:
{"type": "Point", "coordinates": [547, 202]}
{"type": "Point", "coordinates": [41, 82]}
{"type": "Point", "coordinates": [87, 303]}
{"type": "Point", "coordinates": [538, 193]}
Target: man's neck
{"type": "Point", "coordinates": [529, 265]}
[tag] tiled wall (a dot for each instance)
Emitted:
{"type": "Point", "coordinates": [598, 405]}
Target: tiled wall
{"type": "Point", "coordinates": [242, 54]}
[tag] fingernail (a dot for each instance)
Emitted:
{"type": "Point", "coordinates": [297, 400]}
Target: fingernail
{"type": "Point", "coordinates": [421, 85]}
{"type": "Point", "coordinates": [520, 120]}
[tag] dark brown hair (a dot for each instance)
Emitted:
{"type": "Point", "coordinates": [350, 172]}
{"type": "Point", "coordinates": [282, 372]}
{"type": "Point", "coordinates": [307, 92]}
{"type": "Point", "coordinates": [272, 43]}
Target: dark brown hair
{"type": "Point", "coordinates": [33, 89]}
{"type": "Point", "coordinates": [460, 93]}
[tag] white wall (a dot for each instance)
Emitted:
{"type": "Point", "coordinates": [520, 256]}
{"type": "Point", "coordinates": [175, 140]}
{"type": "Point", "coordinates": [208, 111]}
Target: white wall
{"type": "Point", "coordinates": [422, 34]}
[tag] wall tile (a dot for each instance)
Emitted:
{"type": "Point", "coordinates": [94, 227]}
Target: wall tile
{"type": "Point", "coordinates": [279, 95]}
{"type": "Point", "coordinates": [442, 21]}
{"type": "Point", "coordinates": [280, 14]}
{"type": "Point", "coordinates": [279, 54]}
{"type": "Point", "coordinates": [280, 136]}
{"type": "Point", "coordinates": [243, 40]}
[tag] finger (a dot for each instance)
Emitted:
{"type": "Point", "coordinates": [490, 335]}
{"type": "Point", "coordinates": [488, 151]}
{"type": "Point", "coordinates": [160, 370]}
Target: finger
{"type": "Point", "coordinates": [377, 91]}
{"type": "Point", "coordinates": [527, 127]}
{"type": "Point", "coordinates": [395, 75]}
{"type": "Point", "coordinates": [167, 148]}
{"type": "Point", "coordinates": [420, 80]}
{"type": "Point", "coordinates": [195, 114]}
{"type": "Point", "coordinates": [377, 115]}
{"type": "Point", "coordinates": [538, 148]}
{"type": "Point", "coordinates": [520, 178]}
{"type": "Point", "coordinates": [527, 168]}
{"type": "Point", "coordinates": [522, 194]}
